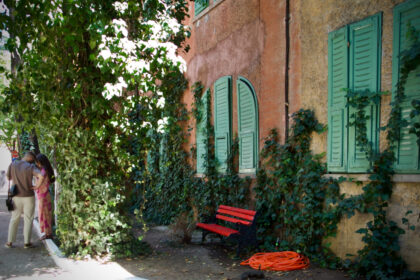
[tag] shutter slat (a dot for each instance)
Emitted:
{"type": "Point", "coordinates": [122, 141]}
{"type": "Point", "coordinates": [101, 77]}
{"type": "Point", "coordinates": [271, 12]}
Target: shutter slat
{"type": "Point", "coordinates": [222, 151]}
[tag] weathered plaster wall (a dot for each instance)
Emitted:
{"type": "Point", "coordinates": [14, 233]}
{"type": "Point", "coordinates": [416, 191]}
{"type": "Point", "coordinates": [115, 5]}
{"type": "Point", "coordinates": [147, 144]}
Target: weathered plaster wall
{"type": "Point", "coordinates": [347, 241]}
{"type": "Point", "coordinates": [241, 38]}
{"type": "Point", "coordinates": [406, 197]}
{"type": "Point", "coordinates": [317, 19]}
{"type": "Point", "coordinates": [247, 38]}
{"type": "Point", "coordinates": [295, 65]}
{"type": "Point", "coordinates": [271, 100]}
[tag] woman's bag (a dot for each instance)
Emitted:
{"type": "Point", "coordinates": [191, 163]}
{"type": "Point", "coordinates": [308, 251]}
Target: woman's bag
{"type": "Point", "coordinates": [13, 190]}
{"type": "Point", "coordinates": [10, 194]}
{"type": "Point", "coordinates": [9, 203]}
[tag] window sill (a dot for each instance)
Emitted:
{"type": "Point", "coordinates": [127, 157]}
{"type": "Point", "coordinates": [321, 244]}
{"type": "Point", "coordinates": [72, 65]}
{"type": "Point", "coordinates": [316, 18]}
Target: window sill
{"type": "Point", "coordinates": [250, 175]}
{"type": "Point", "coordinates": [241, 175]}
{"type": "Point", "coordinates": [397, 178]}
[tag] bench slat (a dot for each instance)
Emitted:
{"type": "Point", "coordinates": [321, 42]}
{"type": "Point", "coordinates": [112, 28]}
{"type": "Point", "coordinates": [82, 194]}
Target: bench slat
{"type": "Point", "coordinates": [240, 210]}
{"type": "Point", "coordinates": [218, 229]}
{"type": "Point", "coordinates": [236, 214]}
{"type": "Point", "coordinates": [233, 220]}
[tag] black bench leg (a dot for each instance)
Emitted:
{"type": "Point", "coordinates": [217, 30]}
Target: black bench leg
{"type": "Point", "coordinates": [203, 236]}
{"type": "Point", "coordinates": [238, 251]}
{"type": "Point", "coordinates": [240, 243]}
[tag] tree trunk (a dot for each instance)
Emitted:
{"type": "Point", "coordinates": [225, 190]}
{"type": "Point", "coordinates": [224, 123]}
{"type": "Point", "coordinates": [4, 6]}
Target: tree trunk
{"type": "Point", "coordinates": [34, 140]}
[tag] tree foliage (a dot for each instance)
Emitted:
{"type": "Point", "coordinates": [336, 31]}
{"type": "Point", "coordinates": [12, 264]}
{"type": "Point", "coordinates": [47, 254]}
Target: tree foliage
{"type": "Point", "coordinates": [93, 76]}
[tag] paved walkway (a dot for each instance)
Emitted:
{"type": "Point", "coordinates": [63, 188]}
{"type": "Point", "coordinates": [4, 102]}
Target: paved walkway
{"type": "Point", "coordinates": [44, 261]}
{"type": "Point", "coordinates": [20, 263]}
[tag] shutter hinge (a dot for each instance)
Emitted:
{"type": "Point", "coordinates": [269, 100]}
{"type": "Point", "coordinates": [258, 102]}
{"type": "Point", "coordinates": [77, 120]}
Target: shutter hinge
{"type": "Point", "coordinates": [348, 44]}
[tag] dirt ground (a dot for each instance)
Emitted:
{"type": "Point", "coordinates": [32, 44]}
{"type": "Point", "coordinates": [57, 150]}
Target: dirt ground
{"type": "Point", "coordinates": [171, 259]}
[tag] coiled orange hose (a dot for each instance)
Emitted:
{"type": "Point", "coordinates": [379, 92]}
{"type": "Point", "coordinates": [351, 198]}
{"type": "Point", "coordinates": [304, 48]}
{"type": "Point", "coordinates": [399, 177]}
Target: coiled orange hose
{"type": "Point", "coordinates": [277, 261]}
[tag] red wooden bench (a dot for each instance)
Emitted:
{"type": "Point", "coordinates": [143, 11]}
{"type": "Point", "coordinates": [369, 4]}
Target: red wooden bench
{"type": "Point", "coordinates": [244, 225]}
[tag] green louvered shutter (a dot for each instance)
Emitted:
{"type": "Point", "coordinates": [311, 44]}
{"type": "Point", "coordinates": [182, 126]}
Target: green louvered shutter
{"type": "Point", "coordinates": [247, 122]}
{"type": "Point", "coordinates": [407, 152]}
{"type": "Point", "coordinates": [151, 162]}
{"type": "Point", "coordinates": [163, 146]}
{"type": "Point", "coordinates": [222, 120]}
{"type": "Point", "coordinates": [202, 135]}
{"type": "Point", "coordinates": [200, 5]}
{"type": "Point", "coordinates": [364, 68]}
{"type": "Point", "coordinates": [337, 111]}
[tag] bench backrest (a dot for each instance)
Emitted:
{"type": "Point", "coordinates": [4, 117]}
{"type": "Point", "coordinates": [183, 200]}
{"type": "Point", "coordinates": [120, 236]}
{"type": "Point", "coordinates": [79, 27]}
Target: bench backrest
{"type": "Point", "coordinates": [235, 215]}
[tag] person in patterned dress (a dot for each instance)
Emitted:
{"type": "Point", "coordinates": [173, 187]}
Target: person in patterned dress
{"type": "Point", "coordinates": [44, 196]}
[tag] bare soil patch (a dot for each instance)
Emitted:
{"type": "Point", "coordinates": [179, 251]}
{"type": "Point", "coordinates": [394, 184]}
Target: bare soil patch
{"type": "Point", "coordinates": [174, 260]}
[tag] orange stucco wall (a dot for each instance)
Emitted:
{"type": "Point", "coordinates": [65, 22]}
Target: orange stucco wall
{"type": "Point", "coordinates": [244, 38]}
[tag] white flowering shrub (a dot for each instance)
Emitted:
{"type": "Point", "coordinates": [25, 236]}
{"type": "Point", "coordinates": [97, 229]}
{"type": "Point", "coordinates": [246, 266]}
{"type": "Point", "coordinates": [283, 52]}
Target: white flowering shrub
{"type": "Point", "coordinates": [131, 57]}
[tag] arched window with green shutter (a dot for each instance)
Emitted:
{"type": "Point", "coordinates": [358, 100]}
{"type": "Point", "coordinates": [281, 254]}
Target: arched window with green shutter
{"type": "Point", "coordinates": [222, 120]}
{"type": "Point", "coordinates": [163, 149]}
{"type": "Point", "coordinates": [247, 125]}
{"type": "Point", "coordinates": [152, 159]}
{"type": "Point", "coordinates": [201, 134]}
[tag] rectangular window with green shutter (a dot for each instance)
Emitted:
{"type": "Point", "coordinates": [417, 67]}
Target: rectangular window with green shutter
{"type": "Point", "coordinates": [406, 17]}
{"type": "Point", "coordinates": [199, 6]}
{"type": "Point", "coordinates": [353, 64]}
{"type": "Point", "coordinates": [202, 133]}
{"type": "Point", "coordinates": [222, 120]}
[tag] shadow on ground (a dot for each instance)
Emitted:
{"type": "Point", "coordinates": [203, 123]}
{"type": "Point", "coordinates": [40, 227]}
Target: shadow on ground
{"type": "Point", "coordinates": [176, 261]}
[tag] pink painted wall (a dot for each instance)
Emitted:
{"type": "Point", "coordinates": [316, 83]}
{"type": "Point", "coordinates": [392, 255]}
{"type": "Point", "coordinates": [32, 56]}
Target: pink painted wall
{"type": "Point", "coordinates": [244, 38]}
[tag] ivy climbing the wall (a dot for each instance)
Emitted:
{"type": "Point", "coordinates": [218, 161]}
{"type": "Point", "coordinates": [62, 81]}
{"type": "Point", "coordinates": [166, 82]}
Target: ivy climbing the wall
{"type": "Point", "coordinates": [173, 193]}
{"type": "Point", "coordinates": [294, 201]}
{"type": "Point", "coordinates": [380, 258]}
{"type": "Point", "coordinates": [221, 188]}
